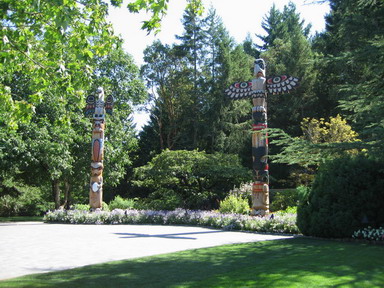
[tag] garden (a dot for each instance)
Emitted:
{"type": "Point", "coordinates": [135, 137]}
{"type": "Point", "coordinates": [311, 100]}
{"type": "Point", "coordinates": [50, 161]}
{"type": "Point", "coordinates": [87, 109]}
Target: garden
{"type": "Point", "coordinates": [190, 164]}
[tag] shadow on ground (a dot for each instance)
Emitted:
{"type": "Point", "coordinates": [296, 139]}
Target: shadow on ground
{"type": "Point", "coordinates": [298, 262]}
{"type": "Point", "coordinates": [167, 236]}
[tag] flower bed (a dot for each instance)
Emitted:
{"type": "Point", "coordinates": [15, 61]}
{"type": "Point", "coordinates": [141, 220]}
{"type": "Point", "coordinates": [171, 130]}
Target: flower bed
{"type": "Point", "coordinates": [278, 224]}
{"type": "Point", "coordinates": [370, 234]}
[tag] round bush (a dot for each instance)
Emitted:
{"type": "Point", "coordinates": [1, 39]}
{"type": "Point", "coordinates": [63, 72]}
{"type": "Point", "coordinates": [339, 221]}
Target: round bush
{"type": "Point", "coordinates": [234, 204]}
{"type": "Point", "coordinates": [120, 203]}
{"type": "Point", "coordinates": [347, 195]}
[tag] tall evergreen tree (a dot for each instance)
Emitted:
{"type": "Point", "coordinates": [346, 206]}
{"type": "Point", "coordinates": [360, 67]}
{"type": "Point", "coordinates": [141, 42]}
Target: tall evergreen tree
{"type": "Point", "coordinates": [192, 47]}
{"type": "Point", "coordinates": [288, 51]}
{"type": "Point", "coordinates": [353, 48]}
{"type": "Point", "coordinates": [192, 111]}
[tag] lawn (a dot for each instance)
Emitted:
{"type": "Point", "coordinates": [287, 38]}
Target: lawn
{"type": "Point", "coordinates": [21, 219]}
{"type": "Point", "coordinates": [299, 262]}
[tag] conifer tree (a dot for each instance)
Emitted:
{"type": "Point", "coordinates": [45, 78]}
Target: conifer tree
{"type": "Point", "coordinates": [287, 50]}
{"type": "Point", "coordinates": [353, 48]}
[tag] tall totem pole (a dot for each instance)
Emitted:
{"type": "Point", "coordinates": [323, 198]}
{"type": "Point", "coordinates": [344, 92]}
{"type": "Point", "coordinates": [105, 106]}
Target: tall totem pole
{"type": "Point", "coordinates": [96, 108]}
{"type": "Point", "coordinates": [258, 89]}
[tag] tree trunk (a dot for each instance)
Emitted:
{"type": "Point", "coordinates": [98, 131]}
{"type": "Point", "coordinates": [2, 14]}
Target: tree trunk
{"type": "Point", "coordinates": [56, 192]}
{"type": "Point", "coordinates": [67, 195]}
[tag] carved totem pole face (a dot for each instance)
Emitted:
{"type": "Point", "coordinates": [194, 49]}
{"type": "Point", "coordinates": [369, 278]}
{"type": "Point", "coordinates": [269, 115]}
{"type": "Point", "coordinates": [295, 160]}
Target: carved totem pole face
{"type": "Point", "coordinates": [96, 176]}
{"type": "Point", "coordinates": [259, 70]}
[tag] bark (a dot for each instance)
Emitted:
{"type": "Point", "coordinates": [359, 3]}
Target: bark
{"type": "Point", "coordinates": [56, 192]}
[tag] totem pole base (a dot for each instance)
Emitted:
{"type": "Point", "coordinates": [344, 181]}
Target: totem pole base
{"type": "Point", "coordinates": [260, 199]}
{"type": "Point", "coordinates": [95, 199]}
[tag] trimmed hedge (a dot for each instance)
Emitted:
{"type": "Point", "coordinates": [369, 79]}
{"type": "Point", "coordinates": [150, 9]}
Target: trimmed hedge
{"type": "Point", "coordinates": [347, 195]}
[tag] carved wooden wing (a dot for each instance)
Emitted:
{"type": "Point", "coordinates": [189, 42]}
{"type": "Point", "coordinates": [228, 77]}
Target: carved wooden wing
{"type": "Point", "coordinates": [109, 105]}
{"type": "Point", "coordinates": [239, 90]}
{"type": "Point", "coordinates": [281, 84]}
{"type": "Point", "coordinates": [91, 105]}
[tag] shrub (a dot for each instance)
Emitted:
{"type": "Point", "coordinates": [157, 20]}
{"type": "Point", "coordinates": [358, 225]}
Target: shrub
{"type": "Point", "coordinates": [347, 195]}
{"type": "Point", "coordinates": [289, 210]}
{"type": "Point", "coordinates": [282, 199]}
{"type": "Point", "coordinates": [104, 206]}
{"type": "Point", "coordinates": [9, 206]}
{"type": "Point", "coordinates": [22, 200]}
{"type": "Point", "coordinates": [190, 179]}
{"type": "Point", "coordinates": [234, 204]}
{"type": "Point", "coordinates": [81, 207]}
{"type": "Point", "coordinates": [120, 203]}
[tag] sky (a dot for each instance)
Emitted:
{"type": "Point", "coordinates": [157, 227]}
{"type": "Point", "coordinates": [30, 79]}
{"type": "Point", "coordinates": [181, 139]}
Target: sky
{"type": "Point", "coordinates": [240, 17]}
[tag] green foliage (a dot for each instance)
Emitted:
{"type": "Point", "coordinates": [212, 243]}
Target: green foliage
{"type": "Point", "coordinates": [17, 199]}
{"type": "Point", "coordinates": [234, 204]}
{"type": "Point", "coordinates": [352, 66]}
{"type": "Point", "coordinates": [321, 140]}
{"type": "Point", "coordinates": [288, 210]}
{"type": "Point", "coordinates": [287, 50]}
{"type": "Point", "coordinates": [158, 9]}
{"type": "Point", "coordinates": [120, 203]}
{"type": "Point", "coordinates": [335, 131]}
{"type": "Point", "coordinates": [9, 206]}
{"type": "Point", "coordinates": [81, 207]}
{"type": "Point", "coordinates": [347, 195]}
{"type": "Point", "coordinates": [104, 206]}
{"type": "Point", "coordinates": [191, 179]}
{"type": "Point", "coordinates": [53, 54]}
{"type": "Point", "coordinates": [282, 199]}
{"type": "Point", "coordinates": [190, 110]}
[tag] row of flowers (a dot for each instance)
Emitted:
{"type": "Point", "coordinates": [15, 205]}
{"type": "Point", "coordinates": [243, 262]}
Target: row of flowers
{"type": "Point", "coordinates": [369, 233]}
{"type": "Point", "coordinates": [270, 224]}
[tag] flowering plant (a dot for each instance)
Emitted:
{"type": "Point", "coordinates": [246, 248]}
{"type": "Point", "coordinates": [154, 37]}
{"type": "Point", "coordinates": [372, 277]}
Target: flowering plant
{"type": "Point", "coordinates": [369, 233]}
{"type": "Point", "coordinates": [278, 224]}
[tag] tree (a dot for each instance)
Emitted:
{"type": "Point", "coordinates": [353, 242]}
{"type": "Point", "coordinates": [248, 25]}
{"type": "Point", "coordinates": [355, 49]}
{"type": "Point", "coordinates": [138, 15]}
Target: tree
{"type": "Point", "coordinates": [49, 59]}
{"type": "Point", "coordinates": [190, 179]}
{"type": "Point", "coordinates": [288, 51]}
{"type": "Point", "coordinates": [186, 106]}
{"type": "Point", "coordinates": [353, 54]}
{"type": "Point", "coordinates": [192, 47]}
{"type": "Point", "coordinates": [167, 74]}
{"type": "Point", "coordinates": [158, 9]}
{"type": "Point", "coordinates": [320, 141]}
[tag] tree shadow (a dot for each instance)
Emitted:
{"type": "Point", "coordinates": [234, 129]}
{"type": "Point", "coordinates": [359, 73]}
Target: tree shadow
{"type": "Point", "coordinates": [167, 236]}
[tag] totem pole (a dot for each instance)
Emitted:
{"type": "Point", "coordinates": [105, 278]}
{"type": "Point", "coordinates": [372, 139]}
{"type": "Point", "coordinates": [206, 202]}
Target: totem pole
{"type": "Point", "coordinates": [257, 89]}
{"type": "Point", "coordinates": [96, 108]}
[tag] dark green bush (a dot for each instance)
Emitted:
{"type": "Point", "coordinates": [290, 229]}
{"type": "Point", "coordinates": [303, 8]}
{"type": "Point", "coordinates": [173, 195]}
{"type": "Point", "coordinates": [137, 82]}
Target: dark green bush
{"type": "Point", "coordinates": [190, 179]}
{"type": "Point", "coordinates": [347, 195]}
{"type": "Point", "coordinates": [9, 206]}
{"type": "Point", "coordinates": [22, 200]}
{"type": "Point", "coordinates": [121, 203]}
{"type": "Point", "coordinates": [282, 199]}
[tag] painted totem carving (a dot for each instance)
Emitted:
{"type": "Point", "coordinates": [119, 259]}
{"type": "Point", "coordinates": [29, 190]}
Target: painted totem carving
{"type": "Point", "coordinates": [258, 89]}
{"type": "Point", "coordinates": [96, 108]}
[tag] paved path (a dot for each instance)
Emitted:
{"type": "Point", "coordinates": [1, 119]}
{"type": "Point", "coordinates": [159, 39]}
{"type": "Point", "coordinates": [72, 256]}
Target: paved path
{"type": "Point", "coordinates": [36, 247]}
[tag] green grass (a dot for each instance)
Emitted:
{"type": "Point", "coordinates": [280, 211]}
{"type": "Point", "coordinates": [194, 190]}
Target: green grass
{"type": "Point", "coordinates": [21, 218]}
{"type": "Point", "coordinates": [299, 262]}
